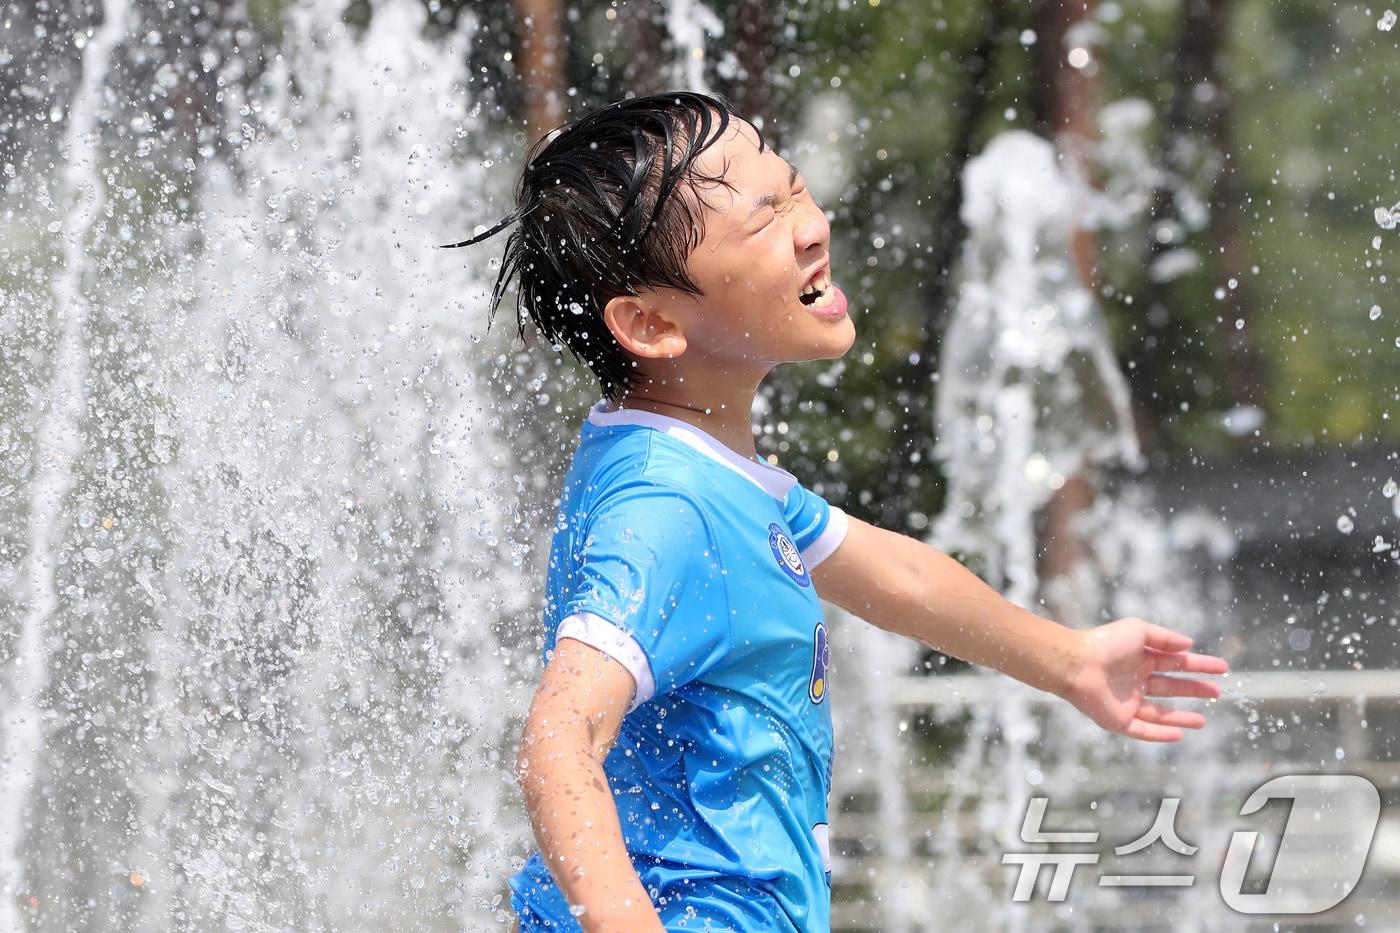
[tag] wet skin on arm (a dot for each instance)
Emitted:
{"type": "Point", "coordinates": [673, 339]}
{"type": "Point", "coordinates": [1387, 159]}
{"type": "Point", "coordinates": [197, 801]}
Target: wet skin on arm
{"type": "Point", "coordinates": [572, 724]}
{"type": "Point", "coordinates": [1106, 672]}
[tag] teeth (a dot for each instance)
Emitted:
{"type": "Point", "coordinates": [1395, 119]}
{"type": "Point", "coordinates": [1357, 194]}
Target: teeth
{"type": "Point", "coordinates": [822, 284]}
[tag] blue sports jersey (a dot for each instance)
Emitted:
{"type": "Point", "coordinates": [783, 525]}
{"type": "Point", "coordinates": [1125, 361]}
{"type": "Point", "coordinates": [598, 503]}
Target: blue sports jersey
{"type": "Point", "coordinates": [690, 565]}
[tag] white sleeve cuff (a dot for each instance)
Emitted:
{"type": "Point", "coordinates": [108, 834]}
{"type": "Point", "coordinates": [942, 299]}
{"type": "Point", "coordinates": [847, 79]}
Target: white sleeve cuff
{"type": "Point", "coordinates": [598, 632]}
{"type": "Point", "coordinates": [828, 541]}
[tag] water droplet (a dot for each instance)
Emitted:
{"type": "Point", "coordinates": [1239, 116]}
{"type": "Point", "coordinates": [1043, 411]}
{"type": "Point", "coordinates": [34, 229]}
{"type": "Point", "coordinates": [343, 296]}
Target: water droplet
{"type": "Point", "coordinates": [1345, 524]}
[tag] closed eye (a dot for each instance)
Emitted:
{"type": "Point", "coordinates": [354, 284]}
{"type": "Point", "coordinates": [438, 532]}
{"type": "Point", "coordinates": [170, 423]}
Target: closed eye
{"type": "Point", "coordinates": [787, 205]}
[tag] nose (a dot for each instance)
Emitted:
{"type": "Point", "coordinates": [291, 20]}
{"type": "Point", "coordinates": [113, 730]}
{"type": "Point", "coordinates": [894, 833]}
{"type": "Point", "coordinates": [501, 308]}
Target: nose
{"type": "Point", "coordinates": [812, 230]}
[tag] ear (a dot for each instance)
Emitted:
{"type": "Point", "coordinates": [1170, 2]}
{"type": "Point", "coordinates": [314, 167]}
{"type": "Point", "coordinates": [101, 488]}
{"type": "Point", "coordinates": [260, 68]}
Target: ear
{"type": "Point", "coordinates": [643, 328]}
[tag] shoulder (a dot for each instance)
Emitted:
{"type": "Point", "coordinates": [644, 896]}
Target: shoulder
{"type": "Point", "coordinates": [659, 505]}
{"type": "Point", "coordinates": [623, 464]}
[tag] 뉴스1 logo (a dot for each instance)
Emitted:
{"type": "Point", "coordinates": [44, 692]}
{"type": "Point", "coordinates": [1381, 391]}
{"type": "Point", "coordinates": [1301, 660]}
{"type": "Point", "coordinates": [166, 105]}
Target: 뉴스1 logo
{"type": "Point", "coordinates": [1317, 862]}
{"type": "Point", "coordinates": [786, 553]}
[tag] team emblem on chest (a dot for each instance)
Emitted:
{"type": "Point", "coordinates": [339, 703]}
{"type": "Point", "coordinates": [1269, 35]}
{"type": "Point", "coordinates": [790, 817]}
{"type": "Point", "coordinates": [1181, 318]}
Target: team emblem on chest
{"type": "Point", "coordinates": [787, 555]}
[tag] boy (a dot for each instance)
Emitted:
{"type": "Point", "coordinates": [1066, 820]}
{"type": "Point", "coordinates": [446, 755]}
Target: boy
{"type": "Point", "coordinates": [676, 758]}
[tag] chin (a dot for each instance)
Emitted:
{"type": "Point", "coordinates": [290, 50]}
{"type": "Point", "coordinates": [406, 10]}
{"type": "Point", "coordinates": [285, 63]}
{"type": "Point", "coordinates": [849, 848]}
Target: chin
{"type": "Point", "coordinates": [836, 345]}
{"type": "Point", "coordinates": [842, 338]}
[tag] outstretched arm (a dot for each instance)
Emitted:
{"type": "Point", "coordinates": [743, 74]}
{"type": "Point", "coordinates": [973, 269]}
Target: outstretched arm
{"type": "Point", "coordinates": [572, 723]}
{"type": "Point", "coordinates": [1107, 672]}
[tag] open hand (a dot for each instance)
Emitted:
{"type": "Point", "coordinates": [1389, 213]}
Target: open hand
{"type": "Point", "coordinates": [1122, 664]}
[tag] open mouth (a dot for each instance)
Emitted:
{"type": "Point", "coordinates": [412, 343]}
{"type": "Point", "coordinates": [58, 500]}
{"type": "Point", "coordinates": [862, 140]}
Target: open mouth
{"type": "Point", "coordinates": [818, 293]}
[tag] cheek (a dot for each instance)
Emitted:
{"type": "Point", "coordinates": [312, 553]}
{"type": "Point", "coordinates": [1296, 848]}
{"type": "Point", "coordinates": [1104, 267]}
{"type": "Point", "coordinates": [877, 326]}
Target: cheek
{"type": "Point", "coordinates": [773, 265]}
{"type": "Point", "coordinates": [772, 284]}
{"type": "Point", "coordinates": [765, 268]}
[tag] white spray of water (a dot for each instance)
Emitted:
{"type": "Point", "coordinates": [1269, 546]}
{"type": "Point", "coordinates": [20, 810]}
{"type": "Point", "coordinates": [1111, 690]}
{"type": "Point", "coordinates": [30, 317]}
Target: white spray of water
{"type": "Point", "coordinates": [690, 23]}
{"type": "Point", "coordinates": [1029, 396]}
{"type": "Point", "coordinates": [870, 757]}
{"type": "Point", "coordinates": [357, 474]}
{"type": "Point", "coordinates": [317, 683]}
{"type": "Point", "coordinates": [58, 443]}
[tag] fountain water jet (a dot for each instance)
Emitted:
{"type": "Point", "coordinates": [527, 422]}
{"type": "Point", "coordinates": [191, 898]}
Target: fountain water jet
{"type": "Point", "coordinates": [57, 442]}
{"type": "Point", "coordinates": [1029, 395]}
{"type": "Point", "coordinates": [289, 671]}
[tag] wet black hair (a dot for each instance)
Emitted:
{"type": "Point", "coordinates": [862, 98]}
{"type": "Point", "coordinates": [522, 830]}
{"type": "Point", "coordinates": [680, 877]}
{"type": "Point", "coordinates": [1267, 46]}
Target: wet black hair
{"type": "Point", "coordinates": [602, 214]}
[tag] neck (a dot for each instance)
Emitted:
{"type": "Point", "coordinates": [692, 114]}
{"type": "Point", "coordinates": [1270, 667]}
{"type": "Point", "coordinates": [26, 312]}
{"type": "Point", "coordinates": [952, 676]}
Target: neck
{"type": "Point", "coordinates": [722, 411]}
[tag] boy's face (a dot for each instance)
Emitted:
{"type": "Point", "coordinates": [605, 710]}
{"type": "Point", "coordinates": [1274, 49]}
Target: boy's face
{"type": "Point", "coordinates": [763, 242]}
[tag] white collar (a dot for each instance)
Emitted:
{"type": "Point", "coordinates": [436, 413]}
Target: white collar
{"type": "Point", "coordinates": [771, 479]}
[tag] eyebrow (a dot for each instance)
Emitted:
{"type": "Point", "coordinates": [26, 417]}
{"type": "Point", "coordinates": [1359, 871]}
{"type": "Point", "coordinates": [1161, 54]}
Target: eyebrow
{"type": "Point", "coordinates": [770, 199]}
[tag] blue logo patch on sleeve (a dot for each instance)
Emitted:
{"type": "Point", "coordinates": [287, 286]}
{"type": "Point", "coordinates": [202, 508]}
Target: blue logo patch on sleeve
{"type": "Point", "coordinates": [787, 555]}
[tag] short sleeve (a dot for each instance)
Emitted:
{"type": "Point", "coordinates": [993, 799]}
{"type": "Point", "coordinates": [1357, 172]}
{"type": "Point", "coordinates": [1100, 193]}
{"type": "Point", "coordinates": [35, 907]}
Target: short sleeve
{"type": "Point", "coordinates": [648, 588]}
{"type": "Point", "coordinates": [818, 527]}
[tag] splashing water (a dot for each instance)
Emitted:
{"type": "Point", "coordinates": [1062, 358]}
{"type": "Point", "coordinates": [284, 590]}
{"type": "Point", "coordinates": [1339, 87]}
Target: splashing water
{"type": "Point", "coordinates": [262, 673]}
{"type": "Point", "coordinates": [57, 442]}
{"type": "Point", "coordinates": [690, 23]}
{"type": "Point", "coordinates": [1029, 396]}
{"type": "Point", "coordinates": [1032, 394]}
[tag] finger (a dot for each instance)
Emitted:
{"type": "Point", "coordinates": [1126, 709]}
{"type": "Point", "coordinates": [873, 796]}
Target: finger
{"type": "Point", "coordinates": [1160, 685]}
{"type": "Point", "coordinates": [1152, 732]}
{"type": "Point", "coordinates": [1170, 716]}
{"type": "Point", "coordinates": [1165, 639]}
{"type": "Point", "coordinates": [1190, 661]}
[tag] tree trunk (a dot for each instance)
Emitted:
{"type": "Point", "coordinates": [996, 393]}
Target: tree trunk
{"type": "Point", "coordinates": [1064, 102]}
{"type": "Point", "coordinates": [645, 36]}
{"type": "Point", "coordinates": [541, 51]}
{"type": "Point", "coordinates": [1244, 369]}
{"type": "Point", "coordinates": [1065, 110]}
{"type": "Point", "coordinates": [1197, 117]}
{"type": "Point", "coordinates": [754, 49]}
